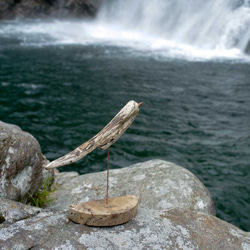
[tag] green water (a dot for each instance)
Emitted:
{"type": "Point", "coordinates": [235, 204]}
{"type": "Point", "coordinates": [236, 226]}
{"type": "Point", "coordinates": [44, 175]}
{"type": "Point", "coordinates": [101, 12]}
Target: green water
{"type": "Point", "coordinates": [195, 113]}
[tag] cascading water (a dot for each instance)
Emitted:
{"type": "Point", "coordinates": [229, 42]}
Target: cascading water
{"type": "Point", "coordinates": [213, 24]}
{"type": "Point", "coordinates": [171, 28]}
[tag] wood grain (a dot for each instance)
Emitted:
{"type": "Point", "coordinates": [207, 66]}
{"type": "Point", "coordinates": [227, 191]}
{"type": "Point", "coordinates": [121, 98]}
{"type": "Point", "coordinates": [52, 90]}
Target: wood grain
{"type": "Point", "coordinates": [97, 213]}
{"type": "Point", "coordinates": [104, 139]}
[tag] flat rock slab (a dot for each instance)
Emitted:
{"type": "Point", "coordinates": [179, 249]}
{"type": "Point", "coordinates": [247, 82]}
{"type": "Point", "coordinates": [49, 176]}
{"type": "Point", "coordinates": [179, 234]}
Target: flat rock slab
{"type": "Point", "coordinates": [150, 229]}
{"type": "Point", "coordinates": [175, 212]}
{"type": "Point", "coordinates": [12, 211]}
{"type": "Point", "coordinates": [158, 185]}
{"type": "Point", "coordinates": [118, 210]}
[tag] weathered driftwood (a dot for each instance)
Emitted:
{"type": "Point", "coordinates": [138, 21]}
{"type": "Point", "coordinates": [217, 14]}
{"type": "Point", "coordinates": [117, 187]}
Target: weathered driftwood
{"type": "Point", "coordinates": [97, 213]}
{"type": "Point", "coordinates": [104, 139]}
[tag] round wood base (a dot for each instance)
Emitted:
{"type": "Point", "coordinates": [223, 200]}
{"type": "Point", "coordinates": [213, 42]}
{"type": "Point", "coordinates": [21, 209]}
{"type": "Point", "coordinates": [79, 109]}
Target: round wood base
{"type": "Point", "coordinates": [119, 210]}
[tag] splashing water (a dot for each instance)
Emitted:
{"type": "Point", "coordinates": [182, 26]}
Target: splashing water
{"type": "Point", "coordinates": [214, 24]}
{"type": "Point", "coordinates": [173, 28]}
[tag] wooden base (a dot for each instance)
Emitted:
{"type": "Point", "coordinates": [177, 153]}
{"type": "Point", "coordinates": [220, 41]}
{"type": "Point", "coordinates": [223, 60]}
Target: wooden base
{"type": "Point", "coordinates": [119, 210]}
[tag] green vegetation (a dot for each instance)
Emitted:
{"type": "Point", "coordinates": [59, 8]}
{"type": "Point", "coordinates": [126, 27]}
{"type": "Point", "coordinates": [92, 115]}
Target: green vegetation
{"type": "Point", "coordinates": [40, 198]}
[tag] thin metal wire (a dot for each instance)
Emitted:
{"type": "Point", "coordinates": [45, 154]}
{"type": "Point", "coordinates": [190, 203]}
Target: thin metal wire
{"type": "Point", "coordinates": [107, 197]}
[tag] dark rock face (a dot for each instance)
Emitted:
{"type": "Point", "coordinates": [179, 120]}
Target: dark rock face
{"type": "Point", "coordinates": [247, 50]}
{"type": "Point", "coordinates": [22, 9]}
{"type": "Point", "coordinates": [21, 163]}
{"type": "Point", "coordinates": [10, 9]}
{"type": "Point", "coordinates": [76, 8]}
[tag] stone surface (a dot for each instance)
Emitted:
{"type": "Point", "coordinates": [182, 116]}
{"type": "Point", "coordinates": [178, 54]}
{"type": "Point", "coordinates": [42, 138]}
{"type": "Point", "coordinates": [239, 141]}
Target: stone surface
{"type": "Point", "coordinates": [10, 9]}
{"type": "Point", "coordinates": [158, 184]}
{"type": "Point", "coordinates": [12, 211]}
{"type": "Point", "coordinates": [22, 9]}
{"type": "Point", "coordinates": [175, 212]}
{"type": "Point", "coordinates": [21, 163]}
{"type": "Point", "coordinates": [76, 8]}
{"type": "Point", "coordinates": [150, 229]}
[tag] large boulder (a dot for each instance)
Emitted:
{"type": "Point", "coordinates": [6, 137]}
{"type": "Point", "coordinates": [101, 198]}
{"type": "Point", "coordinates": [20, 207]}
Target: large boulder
{"type": "Point", "coordinates": [175, 212]}
{"type": "Point", "coordinates": [21, 163]}
{"type": "Point", "coordinates": [158, 184]}
{"type": "Point", "coordinates": [150, 229]}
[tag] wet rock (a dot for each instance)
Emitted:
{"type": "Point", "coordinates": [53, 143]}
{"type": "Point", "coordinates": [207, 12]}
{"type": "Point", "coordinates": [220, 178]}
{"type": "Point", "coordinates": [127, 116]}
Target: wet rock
{"type": "Point", "coordinates": [76, 8]}
{"type": "Point", "coordinates": [158, 184]}
{"type": "Point", "coordinates": [22, 9]}
{"type": "Point", "coordinates": [21, 163]}
{"type": "Point", "coordinates": [10, 9]}
{"type": "Point", "coordinates": [150, 229]}
{"type": "Point", "coordinates": [5, 4]}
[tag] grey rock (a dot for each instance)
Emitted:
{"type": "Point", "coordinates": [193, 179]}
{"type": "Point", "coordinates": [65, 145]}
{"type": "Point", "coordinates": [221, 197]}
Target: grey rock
{"type": "Point", "coordinates": [158, 184]}
{"type": "Point", "coordinates": [175, 212]}
{"type": "Point", "coordinates": [150, 229]}
{"type": "Point", "coordinates": [21, 163]}
{"type": "Point", "coordinates": [47, 175]}
{"type": "Point", "coordinates": [12, 211]}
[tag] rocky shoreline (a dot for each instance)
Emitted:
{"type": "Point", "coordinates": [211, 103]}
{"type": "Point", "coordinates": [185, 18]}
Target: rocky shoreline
{"type": "Point", "coordinates": [176, 210]}
{"type": "Point", "coordinates": [21, 9]}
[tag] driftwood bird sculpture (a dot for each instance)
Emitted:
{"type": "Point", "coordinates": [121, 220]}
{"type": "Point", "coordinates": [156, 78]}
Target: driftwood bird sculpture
{"type": "Point", "coordinates": [104, 139]}
{"type": "Point", "coordinates": [112, 211]}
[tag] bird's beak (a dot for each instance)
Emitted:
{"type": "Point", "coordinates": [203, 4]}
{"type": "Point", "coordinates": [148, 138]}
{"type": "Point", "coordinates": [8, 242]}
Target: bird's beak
{"type": "Point", "coordinates": [139, 104]}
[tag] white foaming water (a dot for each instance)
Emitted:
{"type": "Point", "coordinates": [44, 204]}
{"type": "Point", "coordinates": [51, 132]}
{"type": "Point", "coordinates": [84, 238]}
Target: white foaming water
{"type": "Point", "coordinates": [172, 28]}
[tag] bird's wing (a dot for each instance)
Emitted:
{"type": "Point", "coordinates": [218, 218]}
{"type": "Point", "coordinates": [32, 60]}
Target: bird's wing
{"type": "Point", "coordinates": [104, 139]}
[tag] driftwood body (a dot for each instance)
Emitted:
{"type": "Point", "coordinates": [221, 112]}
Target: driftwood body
{"type": "Point", "coordinates": [104, 139]}
{"type": "Point", "coordinates": [97, 213]}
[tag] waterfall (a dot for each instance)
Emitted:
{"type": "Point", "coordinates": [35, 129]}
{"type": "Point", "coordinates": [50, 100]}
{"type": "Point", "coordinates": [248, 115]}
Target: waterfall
{"type": "Point", "coordinates": [210, 24]}
{"type": "Point", "coordinates": [169, 28]}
